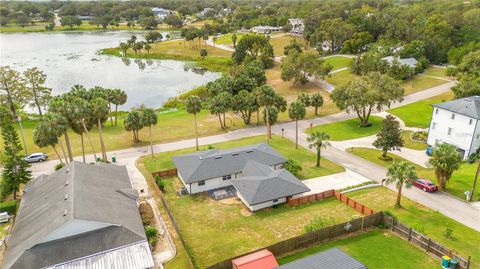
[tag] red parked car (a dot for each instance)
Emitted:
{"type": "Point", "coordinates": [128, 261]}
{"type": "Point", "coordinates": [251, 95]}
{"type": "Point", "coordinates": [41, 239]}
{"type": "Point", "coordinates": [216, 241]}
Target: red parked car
{"type": "Point", "coordinates": [425, 185]}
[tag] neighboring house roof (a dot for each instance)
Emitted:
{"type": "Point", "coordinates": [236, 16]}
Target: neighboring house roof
{"type": "Point", "coordinates": [215, 163]}
{"type": "Point", "coordinates": [79, 211]}
{"type": "Point", "coordinates": [330, 259]}
{"type": "Point", "coordinates": [468, 106]}
{"type": "Point", "coordinates": [411, 62]}
{"type": "Point", "coordinates": [259, 185]}
{"type": "Point", "coordinates": [262, 259]}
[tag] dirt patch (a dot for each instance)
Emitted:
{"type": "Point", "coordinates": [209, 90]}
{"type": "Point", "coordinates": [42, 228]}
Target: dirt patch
{"type": "Point", "coordinates": [230, 201]}
{"type": "Point", "coordinates": [246, 212]}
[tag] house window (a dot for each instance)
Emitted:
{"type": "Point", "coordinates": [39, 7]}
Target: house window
{"type": "Point", "coordinates": [434, 124]}
{"type": "Point", "coordinates": [227, 177]}
{"type": "Point", "coordinates": [453, 116]}
{"type": "Point", "coordinates": [436, 111]}
{"type": "Point", "coordinates": [201, 183]}
{"type": "Point", "coordinates": [470, 121]}
{"type": "Point", "coordinates": [450, 131]}
{"type": "Point", "coordinates": [275, 200]}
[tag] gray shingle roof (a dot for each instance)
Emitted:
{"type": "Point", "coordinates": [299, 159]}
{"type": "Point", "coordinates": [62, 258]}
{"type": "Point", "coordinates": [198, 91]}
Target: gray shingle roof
{"type": "Point", "coordinates": [89, 208]}
{"type": "Point", "coordinates": [411, 62]}
{"type": "Point", "coordinates": [261, 188]}
{"type": "Point", "coordinates": [468, 106]}
{"type": "Point", "coordinates": [330, 259]}
{"type": "Point", "coordinates": [216, 163]}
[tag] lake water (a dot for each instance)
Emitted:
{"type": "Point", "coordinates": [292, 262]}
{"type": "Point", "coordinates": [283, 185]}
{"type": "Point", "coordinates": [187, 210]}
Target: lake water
{"type": "Point", "coordinates": [71, 58]}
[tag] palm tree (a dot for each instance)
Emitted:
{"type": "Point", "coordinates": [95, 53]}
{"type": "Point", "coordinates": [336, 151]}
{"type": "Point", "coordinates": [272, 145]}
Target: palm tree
{"type": "Point", "coordinates": [147, 47]}
{"type": "Point", "coordinates": [445, 160]}
{"type": "Point", "coordinates": [318, 142]}
{"type": "Point", "coordinates": [401, 173]}
{"type": "Point", "coordinates": [48, 132]}
{"type": "Point", "coordinates": [124, 48]}
{"type": "Point", "coordinates": [266, 98]}
{"type": "Point", "coordinates": [149, 118]}
{"type": "Point", "coordinates": [194, 106]}
{"type": "Point", "coordinates": [99, 112]}
{"type": "Point", "coordinates": [61, 106]}
{"type": "Point", "coordinates": [119, 98]}
{"type": "Point", "coordinates": [133, 122]}
{"type": "Point", "coordinates": [296, 112]}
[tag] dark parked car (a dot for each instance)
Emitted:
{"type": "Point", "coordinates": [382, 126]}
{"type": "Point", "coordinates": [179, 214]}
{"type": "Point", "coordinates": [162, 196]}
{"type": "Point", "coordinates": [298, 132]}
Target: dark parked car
{"type": "Point", "coordinates": [425, 185]}
{"type": "Point", "coordinates": [36, 157]}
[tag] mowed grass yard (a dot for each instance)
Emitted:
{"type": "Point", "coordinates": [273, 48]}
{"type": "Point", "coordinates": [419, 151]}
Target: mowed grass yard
{"type": "Point", "coordinates": [412, 85]}
{"type": "Point", "coordinates": [338, 62]}
{"type": "Point", "coordinates": [418, 114]}
{"type": "Point", "coordinates": [377, 249]}
{"type": "Point", "coordinates": [304, 157]}
{"type": "Point", "coordinates": [461, 181]}
{"type": "Point", "coordinates": [348, 129]}
{"type": "Point", "coordinates": [429, 222]}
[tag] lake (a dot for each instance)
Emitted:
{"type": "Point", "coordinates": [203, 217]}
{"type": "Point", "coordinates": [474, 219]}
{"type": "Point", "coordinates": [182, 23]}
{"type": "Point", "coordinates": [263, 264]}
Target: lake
{"type": "Point", "coordinates": [72, 58]}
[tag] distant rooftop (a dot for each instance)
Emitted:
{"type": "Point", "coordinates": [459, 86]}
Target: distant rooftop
{"type": "Point", "coordinates": [411, 62]}
{"type": "Point", "coordinates": [468, 106]}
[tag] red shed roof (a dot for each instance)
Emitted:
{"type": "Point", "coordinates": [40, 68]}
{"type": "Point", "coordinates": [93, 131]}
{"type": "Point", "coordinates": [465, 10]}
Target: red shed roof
{"type": "Point", "coordinates": [262, 259]}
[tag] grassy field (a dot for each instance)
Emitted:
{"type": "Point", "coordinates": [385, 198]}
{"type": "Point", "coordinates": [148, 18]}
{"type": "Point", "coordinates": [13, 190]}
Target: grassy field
{"type": "Point", "coordinates": [348, 129]}
{"type": "Point", "coordinates": [279, 42]}
{"type": "Point", "coordinates": [411, 144]}
{"type": "Point", "coordinates": [369, 248]}
{"type": "Point", "coordinates": [339, 62]}
{"type": "Point", "coordinates": [227, 39]}
{"type": "Point", "coordinates": [209, 226]}
{"type": "Point", "coordinates": [412, 85]}
{"type": "Point", "coordinates": [418, 114]}
{"type": "Point", "coordinates": [306, 158]}
{"type": "Point", "coordinates": [424, 220]}
{"type": "Point", "coordinates": [40, 27]}
{"type": "Point", "coordinates": [436, 72]}
{"type": "Point", "coordinates": [217, 59]}
{"type": "Point", "coordinates": [461, 180]}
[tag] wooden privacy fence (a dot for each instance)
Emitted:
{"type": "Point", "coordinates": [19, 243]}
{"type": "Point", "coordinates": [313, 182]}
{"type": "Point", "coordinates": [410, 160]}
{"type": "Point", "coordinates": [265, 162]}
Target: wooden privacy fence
{"type": "Point", "coordinates": [425, 242]}
{"type": "Point", "coordinates": [327, 194]}
{"type": "Point", "coordinates": [312, 238]}
{"type": "Point", "coordinates": [165, 173]}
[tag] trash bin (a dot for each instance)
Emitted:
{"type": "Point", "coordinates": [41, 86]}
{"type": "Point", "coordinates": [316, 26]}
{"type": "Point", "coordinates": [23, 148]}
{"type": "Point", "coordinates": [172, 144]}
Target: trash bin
{"type": "Point", "coordinates": [446, 261]}
{"type": "Point", "coordinates": [114, 159]}
{"type": "Point", "coordinates": [98, 159]}
{"type": "Point", "coordinates": [453, 264]}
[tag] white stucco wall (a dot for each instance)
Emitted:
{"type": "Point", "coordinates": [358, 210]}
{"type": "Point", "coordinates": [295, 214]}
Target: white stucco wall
{"type": "Point", "coordinates": [462, 130]}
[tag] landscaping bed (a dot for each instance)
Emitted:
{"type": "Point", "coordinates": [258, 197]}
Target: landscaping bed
{"type": "Point", "coordinates": [412, 141]}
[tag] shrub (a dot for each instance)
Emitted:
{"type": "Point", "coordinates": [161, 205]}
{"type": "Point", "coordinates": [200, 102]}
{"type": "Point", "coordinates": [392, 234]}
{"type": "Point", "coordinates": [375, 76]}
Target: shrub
{"type": "Point", "coordinates": [448, 233]}
{"type": "Point", "coordinates": [9, 206]}
{"type": "Point", "coordinates": [151, 233]}
{"type": "Point", "coordinates": [146, 213]}
{"type": "Point", "coordinates": [390, 214]}
{"type": "Point", "coordinates": [160, 183]}
{"type": "Point", "coordinates": [318, 223]}
{"type": "Point", "coordinates": [292, 167]}
{"type": "Point", "coordinates": [59, 166]}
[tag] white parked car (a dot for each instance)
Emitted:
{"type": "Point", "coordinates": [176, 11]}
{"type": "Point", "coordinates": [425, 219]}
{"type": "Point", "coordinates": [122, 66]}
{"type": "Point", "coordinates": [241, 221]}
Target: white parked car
{"type": "Point", "coordinates": [36, 157]}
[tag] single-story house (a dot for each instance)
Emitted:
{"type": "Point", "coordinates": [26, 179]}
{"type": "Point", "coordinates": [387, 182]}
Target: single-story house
{"type": "Point", "coordinates": [457, 123]}
{"type": "Point", "coordinates": [265, 29]}
{"type": "Point", "coordinates": [262, 259]}
{"type": "Point", "coordinates": [330, 259]}
{"type": "Point", "coordinates": [410, 62]}
{"type": "Point", "coordinates": [83, 216]}
{"type": "Point", "coordinates": [255, 171]}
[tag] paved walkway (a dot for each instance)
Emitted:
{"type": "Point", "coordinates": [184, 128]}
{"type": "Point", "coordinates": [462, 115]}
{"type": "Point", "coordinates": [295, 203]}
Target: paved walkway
{"type": "Point", "coordinates": [336, 181]}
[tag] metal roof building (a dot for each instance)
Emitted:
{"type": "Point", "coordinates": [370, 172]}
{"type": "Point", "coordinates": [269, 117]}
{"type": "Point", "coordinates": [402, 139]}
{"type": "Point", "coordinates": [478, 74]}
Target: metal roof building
{"type": "Point", "coordinates": [82, 216]}
{"type": "Point", "coordinates": [330, 259]}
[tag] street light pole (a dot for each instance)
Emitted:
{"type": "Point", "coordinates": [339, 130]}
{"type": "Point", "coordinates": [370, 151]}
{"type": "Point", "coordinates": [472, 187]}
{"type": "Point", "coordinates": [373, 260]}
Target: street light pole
{"type": "Point", "coordinates": [23, 136]}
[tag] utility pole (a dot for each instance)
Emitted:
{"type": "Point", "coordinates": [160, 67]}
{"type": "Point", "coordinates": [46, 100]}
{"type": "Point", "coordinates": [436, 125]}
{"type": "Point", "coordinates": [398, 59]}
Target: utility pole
{"type": "Point", "coordinates": [23, 136]}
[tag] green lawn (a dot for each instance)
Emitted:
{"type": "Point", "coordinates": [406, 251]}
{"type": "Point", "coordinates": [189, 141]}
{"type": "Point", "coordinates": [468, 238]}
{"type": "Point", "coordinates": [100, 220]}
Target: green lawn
{"type": "Point", "coordinates": [227, 39]}
{"type": "Point", "coordinates": [278, 43]}
{"type": "Point", "coordinates": [411, 144]}
{"type": "Point", "coordinates": [341, 78]}
{"type": "Point", "coordinates": [306, 158]}
{"type": "Point", "coordinates": [418, 114]}
{"type": "Point", "coordinates": [461, 181]}
{"type": "Point", "coordinates": [436, 72]}
{"type": "Point", "coordinates": [376, 249]}
{"type": "Point", "coordinates": [217, 230]}
{"type": "Point", "coordinates": [339, 62]}
{"type": "Point", "coordinates": [349, 129]}
{"type": "Point", "coordinates": [40, 27]}
{"type": "Point", "coordinates": [424, 220]}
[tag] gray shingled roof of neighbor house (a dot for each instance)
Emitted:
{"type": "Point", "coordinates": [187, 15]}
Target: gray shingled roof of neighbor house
{"type": "Point", "coordinates": [330, 259]}
{"type": "Point", "coordinates": [214, 163]}
{"type": "Point", "coordinates": [468, 106]}
{"type": "Point", "coordinates": [261, 184]}
{"type": "Point", "coordinates": [411, 62]}
{"type": "Point", "coordinates": [80, 210]}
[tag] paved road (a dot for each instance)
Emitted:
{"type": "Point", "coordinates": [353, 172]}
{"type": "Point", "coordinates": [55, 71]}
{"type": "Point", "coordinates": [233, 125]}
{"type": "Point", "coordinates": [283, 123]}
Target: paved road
{"type": "Point", "coordinates": [444, 203]}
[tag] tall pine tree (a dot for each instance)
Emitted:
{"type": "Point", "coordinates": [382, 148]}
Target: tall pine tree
{"type": "Point", "coordinates": [15, 167]}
